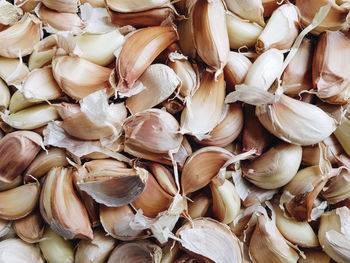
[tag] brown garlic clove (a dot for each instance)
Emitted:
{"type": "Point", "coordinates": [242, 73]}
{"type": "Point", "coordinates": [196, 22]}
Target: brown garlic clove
{"type": "Point", "coordinates": [164, 177]}
{"type": "Point", "coordinates": [198, 206]}
{"type": "Point", "coordinates": [7, 186]}
{"type": "Point", "coordinates": [269, 6]}
{"type": "Point", "coordinates": [30, 228]}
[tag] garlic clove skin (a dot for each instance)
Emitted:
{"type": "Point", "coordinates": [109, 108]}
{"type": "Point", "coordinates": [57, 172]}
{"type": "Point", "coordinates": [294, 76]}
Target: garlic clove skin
{"type": "Point", "coordinates": [337, 188]}
{"type": "Point", "coordinates": [30, 228]}
{"type": "Point", "coordinates": [12, 70]}
{"type": "Point", "coordinates": [18, 251]}
{"type": "Point", "coordinates": [251, 10]}
{"type": "Point", "coordinates": [186, 39]}
{"type": "Point", "coordinates": [9, 13]}
{"type": "Point", "coordinates": [7, 186]}
{"type": "Point", "coordinates": [38, 59]}
{"type": "Point", "coordinates": [269, 6]}
{"type": "Point", "coordinates": [134, 5]}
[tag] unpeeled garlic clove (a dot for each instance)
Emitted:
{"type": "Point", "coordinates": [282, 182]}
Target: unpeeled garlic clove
{"type": "Point", "coordinates": [138, 251]}
{"type": "Point", "coordinates": [144, 45]}
{"type": "Point", "coordinates": [7, 186]}
{"type": "Point", "coordinates": [78, 77]}
{"type": "Point", "coordinates": [19, 251]}
{"type": "Point", "coordinates": [60, 206]}
{"type": "Point", "coordinates": [19, 39]}
{"type": "Point", "coordinates": [30, 228]}
{"type": "Point", "coordinates": [12, 70]}
{"type": "Point", "coordinates": [314, 256]}
{"type": "Point", "coordinates": [69, 6]}
{"type": "Point", "coordinates": [4, 95]}
{"type": "Point", "coordinates": [210, 33]}
{"type": "Point", "coordinates": [18, 148]}
{"type": "Point", "coordinates": [134, 5]}
{"type": "Point", "coordinates": [296, 121]}
{"type": "Point", "coordinates": [337, 188]}
{"type": "Point", "coordinates": [251, 10]}
{"type": "Point", "coordinates": [186, 40]}
{"type": "Point", "coordinates": [333, 234]}
{"type": "Point", "coordinates": [20, 201]}
{"type": "Point", "coordinates": [281, 30]}
{"type": "Point", "coordinates": [275, 168]}
{"type": "Point", "coordinates": [221, 244]}
{"type": "Point", "coordinates": [199, 206]}
{"type": "Point", "coordinates": [9, 13]}
{"type": "Point", "coordinates": [96, 250]}
{"type": "Point", "coordinates": [164, 177]}
{"type": "Point", "coordinates": [342, 134]}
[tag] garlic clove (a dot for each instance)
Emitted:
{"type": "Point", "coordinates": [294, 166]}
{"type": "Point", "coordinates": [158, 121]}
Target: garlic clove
{"type": "Point", "coordinates": [342, 134]}
{"type": "Point", "coordinates": [4, 95]}
{"type": "Point", "coordinates": [9, 13]}
{"type": "Point", "coordinates": [18, 251]}
{"type": "Point", "coordinates": [251, 10]}
{"type": "Point", "coordinates": [30, 228]}
{"type": "Point", "coordinates": [199, 206]}
{"type": "Point", "coordinates": [7, 186]}
{"type": "Point", "coordinates": [275, 168]}
{"type": "Point", "coordinates": [26, 6]}
{"type": "Point", "coordinates": [186, 39]}
{"type": "Point", "coordinates": [170, 252]}
{"type": "Point", "coordinates": [38, 59]}
{"type": "Point", "coordinates": [337, 188]}
{"type": "Point", "coordinates": [134, 5]}
{"type": "Point", "coordinates": [164, 177]}
{"type": "Point", "coordinates": [19, 102]}
{"type": "Point", "coordinates": [12, 70]}
{"type": "Point", "coordinates": [314, 256]}
{"type": "Point", "coordinates": [210, 33]}
{"type": "Point", "coordinates": [5, 227]}
{"type": "Point", "coordinates": [95, 3]}
{"type": "Point", "coordinates": [69, 6]}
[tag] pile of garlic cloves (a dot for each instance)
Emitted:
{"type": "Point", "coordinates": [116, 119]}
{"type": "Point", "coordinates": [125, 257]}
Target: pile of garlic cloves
{"type": "Point", "coordinates": [174, 131]}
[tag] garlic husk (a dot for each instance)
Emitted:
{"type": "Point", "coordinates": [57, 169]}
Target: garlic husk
{"type": "Point", "coordinates": [135, 6]}
{"type": "Point", "coordinates": [9, 13]}
{"type": "Point", "coordinates": [69, 6]}
{"type": "Point", "coordinates": [38, 59]}
{"type": "Point", "coordinates": [19, 102]}
{"type": "Point", "coordinates": [337, 188]}
{"type": "Point", "coordinates": [90, 45]}
{"type": "Point", "coordinates": [202, 167]}
{"type": "Point", "coordinates": [19, 148]}
{"type": "Point", "coordinates": [144, 45]}
{"type": "Point", "coordinates": [12, 70]}
{"type": "Point", "coordinates": [269, 6]}
{"type": "Point", "coordinates": [78, 77]}
{"type": "Point", "coordinates": [275, 168]}
{"type": "Point", "coordinates": [268, 245]}
{"type": "Point", "coordinates": [334, 234]}
{"type": "Point", "coordinates": [173, 106]}
{"type": "Point", "coordinates": [19, 39]}
{"type": "Point", "coordinates": [96, 250]}
{"type": "Point", "coordinates": [241, 32]}
{"type": "Point", "coordinates": [138, 251]}
{"type": "Point", "coordinates": [56, 249]}
{"type": "Point", "coordinates": [60, 206]}
{"type": "Point", "coordinates": [297, 75]}
{"type": "Point", "coordinates": [210, 33]}
{"type": "Point", "coordinates": [30, 228]}
{"type": "Point", "coordinates": [160, 81]}
{"type": "Point", "coordinates": [251, 10]}
{"type": "Point", "coordinates": [281, 30]}
{"type": "Point", "coordinates": [4, 95]}
{"type": "Point", "coordinates": [206, 106]}
{"type": "Point", "coordinates": [329, 69]}
{"type": "Point", "coordinates": [295, 121]}
{"type": "Point", "coordinates": [342, 134]}
{"type": "Point", "coordinates": [314, 256]}
{"type": "Point", "coordinates": [16, 250]}
{"type": "Point", "coordinates": [164, 177]}
{"type": "Point", "coordinates": [199, 206]}
{"type": "Point", "coordinates": [186, 40]}
{"type": "Point", "coordinates": [7, 186]}
{"type": "Point", "coordinates": [221, 244]}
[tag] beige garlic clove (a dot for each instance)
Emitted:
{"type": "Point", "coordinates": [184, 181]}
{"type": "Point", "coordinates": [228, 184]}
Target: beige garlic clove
{"type": "Point", "coordinates": [18, 148]}
{"type": "Point", "coordinates": [144, 45]}
{"type": "Point", "coordinates": [241, 32]}
{"type": "Point", "coordinates": [337, 188]}
{"type": "Point", "coordinates": [12, 70]}
{"type": "Point", "coordinates": [60, 206]}
{"type": "Point", "coordinates": [38, 59]}
{"type": "Point", "coordinates": [334, 234]}
{"type": "Point", "coordinates": [19, 102]}
{"type": "Point", "coordinates": [296, 121]}
{"type": "Point", "coordinates": [297, 75]}
{"type": "Point", "coordinates": [30, 228]}
{"type": "Point", "coordinates": [202, 167]}
{"type": "Point", "coordinates": [78, 77]}
{"type": "Point", "coordinates": [94, 3]}
{"type": "Point", "coordinates": [186, 39]}
{"type": "Point", "coordinates": [207, 104]}
{"type": "Point", "coordinates": [19, 251]}
{"type": "Point", "coordinates": [55, 248]}
{"type": "Point", "coordinates": [96, 250]}
{"type": "Point", "coordinates": [268, 245]}
{"type": "Point", "coordinates": [342, 134]}
{"type": "Point", "coordinates": [251, 10]}
{"type": "Point", "coordinates": [228, 128]}
{"type": "Point", "coordinates": [7, 186]}
{"type": "Point", "coordinates": [69, 6]}
{"type": "Point", "coordinates": [9, 13]}
{"type": "Point", "coordinates": [221, 244]}
{"type": "Point", "coordinates": [138, 251]}
{"type": "Point", "coordinates": [210, 33]}
{"type": "Point", "coordinates": [160, 81]}
{"type": "Point", "coordinates": [134, 5]}
{"type": "Point", "coordinates": [281, 30]}
{"type": "Point", "coordinates": [198, 206]}
{"type": "Point", "coordinates": [164, 177]}
{"type": "Point", "coordinates": [275, 168]}
{"type": "Point", "coordinates": [4, 95]}
{"type": "Point", "coordinates": [314, 256]}
{"type": "Point", "coordinates": [19, 202]}
{"type": "Point", "coordinates": [329, 77]}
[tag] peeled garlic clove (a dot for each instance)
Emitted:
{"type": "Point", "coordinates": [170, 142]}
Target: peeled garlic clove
{"type": "Point", "coordinates": [7, 186]}
{"type": "Point", "coordinates": [96, 250]}
{"type": "Point", "coordinates": [164, 177]}
{"type": "Point", "coordinates": [12, 70]}
{"type": "Point", "coordinates": [251, 10]}
{"type": "Point", "coordinates": [221, 244]}
{"type": "Point", "coordinates": [297, 75]}
{"type": "Point", "coordinates": [206, 107]}
{"type": "Point", "coordinates": [160, 81]}
{"type": "Point", "coordinates": [4, 95]}
{"type": "Point", "coordinates": [134, 5]}
{"type": "Point", "coordinates": [138, 251]}
{"type": "Point", "coordinates": [60, 206]}
{"type": "Point", "coordinates": [202, 167]}
{"type": "Point", "coordinates": [9, 13]}
{"type": "Point", "coordinates": [56, 249]}
{"type": "Point", "coordinates": [199, 206]}
{"type": "Point", "coordinates": [19, 251]}
{"type": "Point", "coordinates": [210, 33]}
{"type": "Point", "coordinates": [275, 168]}
{"type": "Point", "coordinates": [78, 77]}
{"type": "Point", "coordinates": [281, 30]}
{"type": "Point", "coordinates": [38, 59]}
{"type": "Point", "coordinates": [30, 228]}
{"type": "Point", "coordinates": [69, 6]}
{"type": "Point", "coordinates": [19, 102]}
{"type": "Point", "coordinates": [342, 134]}
{"type": "Point", "coordinates": [337, 188]}
{"type": "Point", "coordinates": [186, 40]}
{"type": "Point", "coordinates": [268, 245]}
{"type": "Point", "coordinates": [139, 51]}
{"type": "Point", "coordinates": [32, 117]}
{"type": "Point", "coordinates": [18, 148]}
{"type": "Point", "coordinates": [19, 202]}
{"type": "Point", "coordinates": [241, 32]}
{"type": "Point", "coordinates": [314, 256]}
{"type": "Point", "coordinates": [296, 121]}
{"type": "Point", "coordinates": [333, 234]}
{"type": "Point", "coordinates": [44, 161]}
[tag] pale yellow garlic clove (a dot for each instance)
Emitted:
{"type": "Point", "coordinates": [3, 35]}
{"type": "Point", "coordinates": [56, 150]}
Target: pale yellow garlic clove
{"type": "Point", "coordinates": [78, 77]}
{"type": "Point", "coordinates": [19, 148]}
{"type": "Point", "coordinates": [4, 95]}
{"type": "Point", "coordinates": [198, 206]}
{"type": "Point", "coordinates": [18, 102]}
{"type": "Point", "coordinates": [19, 202]}
{"type": "Point", "coordinates": [314, 256]}
{"type": "Point", "coordinates": [30, 228]}
{"type": "Point", "coordinates": [241, 32]}
{"type": "Point", "coordinates": [96, 250]}
{"type": "Point", "coordinates": [7, 186]}
{"type": "Point", "coordinates": [55, 249]}
{"type": "Point", "coordinates": [19, 251]}
{"type": "Point", "coordinates": [296, 121]}
{"type": "Point", "coordinates": [186, 40]}
{"type": "Point", "coordinates": [337, 188]}
{"type": "Point", "coordinates": [19, 39]}
{"type": "Point", "coordinates": [9, 13]}
{"type": "Point", "coordinates": [275, 168]}
{"type": "Point", "coordinates": [38, 59]}
{"type": "Point", "coordinates": [69, 6]}
{"type": "Point", "coordinates": [210, 33]}
{"type": "Point", "coordinates": [251, 10]}
{"type": "Point", "coordinates": [127, 6]}
{"type": "Point", "coordinates": [342, 134]}
{"type": "Point", "coordinates": [12, 71]}
{"type": "Point", "coordinates": [164, 177]}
